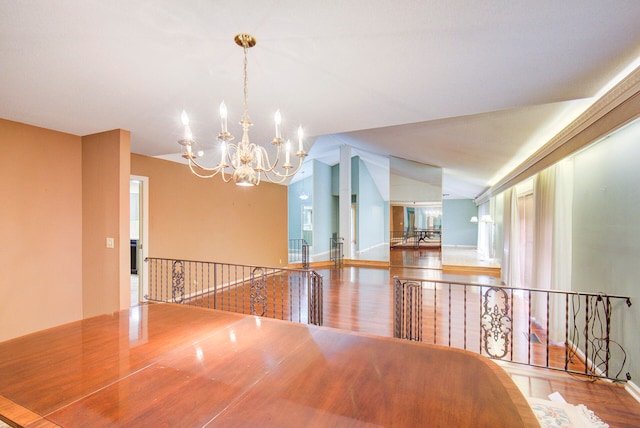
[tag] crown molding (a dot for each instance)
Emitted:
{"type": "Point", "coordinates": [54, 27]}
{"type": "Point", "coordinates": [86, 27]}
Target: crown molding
{"type": "Point", "coordinates": [566, 141]}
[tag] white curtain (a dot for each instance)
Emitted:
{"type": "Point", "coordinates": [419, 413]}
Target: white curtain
{"type": "Point", "coordinates": [511, 240]}
{"type": "Point", "coordinates": [483, 231]}
{"type": "Point", "coordinates": [552, 193]}
{"type": "Point", "coordinates": [561, 264]}
{"type": "Point", "coordinates": [543, 209]}
{"type": "Point", "coordinates": [562, 248]}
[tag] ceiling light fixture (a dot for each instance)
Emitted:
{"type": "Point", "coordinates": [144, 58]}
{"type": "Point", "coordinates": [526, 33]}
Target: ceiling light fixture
{"type": "Point", "coordinates": [248, 161]}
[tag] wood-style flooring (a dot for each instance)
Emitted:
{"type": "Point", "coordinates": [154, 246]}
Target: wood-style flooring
{"type": "Point", "coordinates": [176, 366]}
{"type": "Point", "coordinates": [361, 299]}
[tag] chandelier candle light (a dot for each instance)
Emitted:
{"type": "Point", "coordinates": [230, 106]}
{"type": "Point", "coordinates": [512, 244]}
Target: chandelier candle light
{"type": "Point", "coordinates": [248, 161]}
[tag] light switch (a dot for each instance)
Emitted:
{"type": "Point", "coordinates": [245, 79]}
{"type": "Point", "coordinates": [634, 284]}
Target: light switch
{"type": "Point", "coordinates": [110, 243]}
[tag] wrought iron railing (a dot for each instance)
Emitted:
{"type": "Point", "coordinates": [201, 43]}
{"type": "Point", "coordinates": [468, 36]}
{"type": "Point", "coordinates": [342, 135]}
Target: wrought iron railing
{"type": "Point", "coordinates": [287, 294]}
{"type": "Point", "coordinates": [397, 237]}
{"type": "Point", "coordinates": [336, 251]}
{"type": "Point", "coordinates": [562, 330]}
{"type": "Point", "coordinates": [299, 252]}
{"type": "Point", "coordinates": [415, 237]}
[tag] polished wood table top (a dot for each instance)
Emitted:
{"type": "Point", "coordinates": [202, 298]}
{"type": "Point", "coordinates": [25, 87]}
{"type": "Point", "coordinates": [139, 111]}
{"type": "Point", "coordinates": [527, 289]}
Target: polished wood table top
{"type": "Point", "coordinates": [176, 366]}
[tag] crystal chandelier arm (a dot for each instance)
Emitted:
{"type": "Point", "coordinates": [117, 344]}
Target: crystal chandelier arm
{"type": "Point", "coordinates": [229, 155]}
{"type": "Point", "coordinates": [276, 177]}
{"type": "Point", "coordinates": [265, 161]}
{"type": "Point", "coordinates": [268, 167]}
{"type": "Point", "coordinates": [289, 171]}
{"type": "Point", "coordinates": [211, 172]}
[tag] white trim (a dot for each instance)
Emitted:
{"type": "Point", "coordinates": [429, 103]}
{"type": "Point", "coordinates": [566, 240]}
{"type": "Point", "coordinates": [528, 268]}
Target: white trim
{"type": "Point", "coordinates": [316, 255]}
{"type": "Point", "coordinates": [144, 239]}
{"type": "Point", "coordinates": [625, 89]}
{"type": "Point", "coordinates": [382, 244]}
{"type": "Point", "coordinates": [633, 390]}
{"type": "Point", "coordinates": [590, 366]}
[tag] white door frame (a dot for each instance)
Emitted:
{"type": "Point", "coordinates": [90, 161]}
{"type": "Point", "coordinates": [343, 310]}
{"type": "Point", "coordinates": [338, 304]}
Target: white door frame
{"type": "Point", "coordinates": [143, 243]}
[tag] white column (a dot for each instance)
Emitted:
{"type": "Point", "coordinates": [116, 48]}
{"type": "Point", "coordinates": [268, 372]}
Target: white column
{"type": "Point", "coordinates": [345, 199]}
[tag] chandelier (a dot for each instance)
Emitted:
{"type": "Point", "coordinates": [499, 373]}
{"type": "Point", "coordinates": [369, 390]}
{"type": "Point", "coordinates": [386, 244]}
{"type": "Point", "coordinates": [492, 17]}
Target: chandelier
{"type": "Point", "coordinates": [245, 162]}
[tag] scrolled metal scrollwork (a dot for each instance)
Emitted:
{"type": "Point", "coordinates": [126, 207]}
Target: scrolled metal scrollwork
{"type": "Point", "coordinates": [177, 281]}
{"type": "Point", "coordinates": [258, 292]}
{"type": "Point", "coordinates": [407, 322]}
{"type": "Point", "coordinates": [496, 322]}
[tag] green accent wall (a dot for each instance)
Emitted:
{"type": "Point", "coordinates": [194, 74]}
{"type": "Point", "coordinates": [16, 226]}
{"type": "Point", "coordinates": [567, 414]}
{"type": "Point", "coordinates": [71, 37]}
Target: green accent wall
{"type": "Point", "coordinates": [456, 227]}
{"type": "Point", "coordinates": [606, 232]}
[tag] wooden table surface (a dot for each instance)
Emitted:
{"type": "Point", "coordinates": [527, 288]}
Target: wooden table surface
{"type": "Point", "coordinates": [170, 365]}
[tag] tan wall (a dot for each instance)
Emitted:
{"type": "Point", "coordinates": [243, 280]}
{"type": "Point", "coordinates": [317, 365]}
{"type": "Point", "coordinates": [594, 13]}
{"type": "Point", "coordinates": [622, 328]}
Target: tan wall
{"type": "Point", "coordinates": [40, 228]}
{"type": "Point", "coordinates": [198, 219]}
{"type": "Point", "coordinates": [105, 213]}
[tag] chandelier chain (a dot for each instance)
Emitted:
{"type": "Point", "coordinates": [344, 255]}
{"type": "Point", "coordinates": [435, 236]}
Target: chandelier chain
{"type": "Point", "coordinates": [245, 115]}
{"type": "Point", "coordinates": [248, 161]}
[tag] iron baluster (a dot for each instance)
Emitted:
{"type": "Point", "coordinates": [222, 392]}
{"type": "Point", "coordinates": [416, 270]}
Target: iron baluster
{"type": "Point", "coordinates": [496, 323]}
{"type": "Point", "coordinates": [465, 318]}
{"type": "Point", "coordinates": [548, 332]}
{"type": "Point", "coordinates": [586, 333]}
{"type": "Point", "coordinates": [449, 314]}
{"type": "Point", "coordinates": [435, 313]}
{"type": "Point", "coordinates": [566, 331]}
{"type": "Point", "coordinates": [529, 330]}
{"type": "Point", "coordinates": [177, 284]}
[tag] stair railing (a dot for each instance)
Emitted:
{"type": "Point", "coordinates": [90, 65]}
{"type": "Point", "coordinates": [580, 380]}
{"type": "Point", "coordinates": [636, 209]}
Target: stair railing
{"type": "Point", "coordinates": [287, 294]}
{"type": "Point", "coordinates": [561, 330]}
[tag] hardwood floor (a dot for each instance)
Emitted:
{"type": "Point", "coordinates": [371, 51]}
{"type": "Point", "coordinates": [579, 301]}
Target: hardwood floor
{"type": "Point", "coordinates": [172, 365]}
{"type": "Point", "coordinates": [360, 299]}
{"type": "Point", "coordinates": [112, 367]}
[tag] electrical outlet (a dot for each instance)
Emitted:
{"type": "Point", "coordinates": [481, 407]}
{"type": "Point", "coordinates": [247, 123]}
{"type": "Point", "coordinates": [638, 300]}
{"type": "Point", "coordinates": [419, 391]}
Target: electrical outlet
{"type": "Point", "coordinates": [110, 243]}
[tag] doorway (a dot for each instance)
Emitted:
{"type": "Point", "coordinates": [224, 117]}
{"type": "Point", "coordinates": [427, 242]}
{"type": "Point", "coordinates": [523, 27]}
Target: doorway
{"type": "Point", "coordinates": [139, 235]}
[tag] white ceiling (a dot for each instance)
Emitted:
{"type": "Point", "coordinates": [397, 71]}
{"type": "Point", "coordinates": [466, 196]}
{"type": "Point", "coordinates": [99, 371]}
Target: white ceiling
{"type": "Point", "coordinates": [470, 86]}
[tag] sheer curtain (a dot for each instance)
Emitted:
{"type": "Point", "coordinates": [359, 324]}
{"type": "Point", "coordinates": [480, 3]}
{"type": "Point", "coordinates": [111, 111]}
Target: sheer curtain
{"type": "Point", "coordinates": [552, 193]}
{"type": "Point", "coordinates": [543, 206]}
{"type": "Point", "coordinates": [483, 231]}
{"type": "Point", "coordinates": [562, 249]}
{"type": "Point", "coordinates": [511, 239]}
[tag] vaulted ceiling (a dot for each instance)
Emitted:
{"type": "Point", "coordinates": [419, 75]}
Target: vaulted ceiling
{"type": "Point", "coordinates": [471, 86]}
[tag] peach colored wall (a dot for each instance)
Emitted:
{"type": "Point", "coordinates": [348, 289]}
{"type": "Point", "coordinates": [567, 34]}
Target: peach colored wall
{"type": "Point", "coordinates": [105, 213]}
{"type": "Point", "coordinates": [198, 219]}
{"type": "Point", "coordinates": [40, 228]}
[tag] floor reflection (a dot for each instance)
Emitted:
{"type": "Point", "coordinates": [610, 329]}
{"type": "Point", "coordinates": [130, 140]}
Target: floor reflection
{"type": "Point", "coordinates": [422, 257]}
{"type": "Point", "coordinates": [138, 321]}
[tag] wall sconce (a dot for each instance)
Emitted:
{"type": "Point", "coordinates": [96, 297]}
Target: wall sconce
{"type": "Point", "coordinates": [474, 219]}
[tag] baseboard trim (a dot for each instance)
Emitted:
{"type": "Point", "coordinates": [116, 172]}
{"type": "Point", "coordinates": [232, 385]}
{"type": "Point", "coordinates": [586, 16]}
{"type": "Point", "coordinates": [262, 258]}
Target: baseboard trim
{"type": "Point", "coordinates": [472, 270]}
{"type": "Point", "coordinates": [345, 263]}
{"type": "Point", "coordinates": [590, 366]}
{"type": "Point", "coordinates": [633, 390]}
{"type": "Point", "coordinates": [366, 263]}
